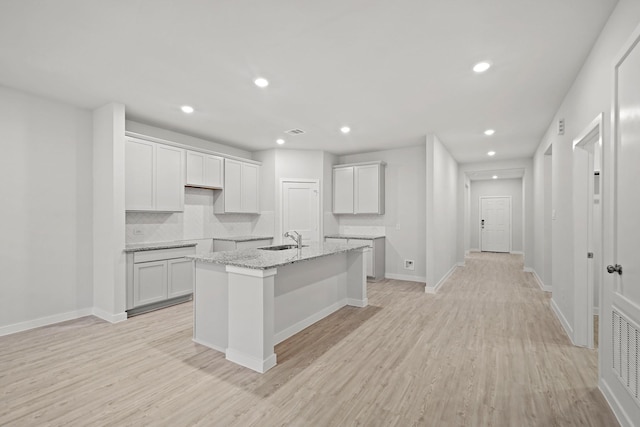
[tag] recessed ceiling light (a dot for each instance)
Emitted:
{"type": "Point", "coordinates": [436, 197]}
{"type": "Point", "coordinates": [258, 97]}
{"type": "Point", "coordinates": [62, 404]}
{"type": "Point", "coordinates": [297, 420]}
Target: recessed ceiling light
{"type": "Point", "coordinates": [481, 67]}
{"type": "Point", "coordinates": [280, 141]}
{"type": "Point", "coordinates": [494, 177]}
{"type": "Point", "coordinates": [345, 129]}
{"type": "Point", "coordinates": [491, 153]}
{"type": "Point", "coordinates": [261, 82]}
{"type": "Point", "coordinates": [489, 132]}
{"type": "Point", "coordinates": [187, 109]}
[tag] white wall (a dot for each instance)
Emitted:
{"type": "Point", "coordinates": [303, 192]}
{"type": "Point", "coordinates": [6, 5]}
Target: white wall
{"type": "Point", "coordinates": [497, 187]}
{"type": "Point", "coordinates": [441, 213]}
{"type": "Point", "coordinates": [405, 192]}
{"type": "Point", "coordinates": [527, 197]}
{"type": "Point", "coordinates": [169, 135]}
{"type": "Point", "coordinates": [46, 193]}
{"type": "Point", "coordinates": [590, 95]}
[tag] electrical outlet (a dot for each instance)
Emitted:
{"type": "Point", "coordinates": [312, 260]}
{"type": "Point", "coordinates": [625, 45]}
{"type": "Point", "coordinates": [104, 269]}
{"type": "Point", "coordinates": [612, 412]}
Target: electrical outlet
{"type": "Point", "coordinates": [137, 231]}
{"type": "Point", "coordinates": [409, 264]}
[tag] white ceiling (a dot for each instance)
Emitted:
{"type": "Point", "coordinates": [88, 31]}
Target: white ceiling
{"type": "Point", "coordinates": [514, 173]}
{"type": "Point", "coordinates": [392, 70]}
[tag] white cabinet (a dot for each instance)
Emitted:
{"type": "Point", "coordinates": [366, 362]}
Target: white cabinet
{"type": "Point", "coordinates": [154, 177]}
{"type": "Point", "coordinates": [156, 278]}
{"type": "Point", "coordinates": [374, 258]}
{"type": "Point", "coordinates": [358, 188]}
{"type": "Point", "coordinates": [204, 170]}
{"type": "Point", "coordinates": [241, 187]}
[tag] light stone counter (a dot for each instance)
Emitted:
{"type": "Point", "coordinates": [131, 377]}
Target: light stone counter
{"type": "Point", "coordinates": [260, 259]}
{"type": "Point", "coordinates": [355, 236]}
{"type": "Point", "coordinates": [157, 245]}
{"type": "Point", "coordinates": [243, 238]}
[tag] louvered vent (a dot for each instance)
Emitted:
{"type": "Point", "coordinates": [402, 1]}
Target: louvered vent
{"type": "Point", "coordinates": [561, 127]}
{"type": "Point", "coordinates": [295, 131]}
{"type": "Point", "coordinates": [626, 352]}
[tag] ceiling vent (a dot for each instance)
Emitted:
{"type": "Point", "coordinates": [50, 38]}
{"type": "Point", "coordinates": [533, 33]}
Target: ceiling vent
{"type": "Point", "coordinates": [294, 132]}
{"type": "Point", "coordinates": [561, 127]}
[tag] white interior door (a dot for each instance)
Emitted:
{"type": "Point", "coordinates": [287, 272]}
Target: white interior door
{"type": "Point", "coordinates": [301, 209]}
{"type": "Point", "coordinates": [495, 224]}
{"type": "Point", "coordinates": [620, 309]}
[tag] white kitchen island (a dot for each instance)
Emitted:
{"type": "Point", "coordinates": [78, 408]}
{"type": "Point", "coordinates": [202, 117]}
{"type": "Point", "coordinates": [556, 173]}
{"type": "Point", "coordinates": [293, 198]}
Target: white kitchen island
{"type": "Point", "coordinates": [247, 301]}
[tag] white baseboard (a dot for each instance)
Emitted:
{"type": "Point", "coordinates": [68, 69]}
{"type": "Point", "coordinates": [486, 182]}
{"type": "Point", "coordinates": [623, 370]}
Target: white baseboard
{"type": "Point", "coordinates": [358, 302]}
{"type": "Point", "coordinates": [44, 321]}
{"type": "Point", "coordinates": [405, 277]}
{"type": "Point", "coordinates": [563, 320]}
{"type": "Point", "coordinates": [304, 323]}
{"type": "Point", "coordinates": [596, 311]}
{"type": "Point", "coordinates": [538, 279]}
{"type": "Point", "coordinates": [111, 318]}
{"type": "Point", "coordinates": [247, 361]}
{"type": "Point", "coordinates": [617, 409]}
{"type": "Point", "coordinates": [517, 252]}
{"type": "Point", "coordinates": [474, 250]}
{"type": "Point", "coordinates": [434, 289]}
{"type": "Point", "coordinates": [211, 346]}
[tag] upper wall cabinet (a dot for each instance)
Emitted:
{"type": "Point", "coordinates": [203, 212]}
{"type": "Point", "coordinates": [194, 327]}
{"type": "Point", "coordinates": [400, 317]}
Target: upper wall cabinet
{"type": "Point", "coordinates": [358, 188]}
{"type": "Point", "coordinates": [204, 170]}
{"type": "Point", "coordinates": [241, 186]}
{"type": "Point", "coordinates": [154, 177]}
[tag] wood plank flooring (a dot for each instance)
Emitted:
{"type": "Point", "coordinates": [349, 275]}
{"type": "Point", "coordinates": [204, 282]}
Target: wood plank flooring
{"type": "Point", "coordinates": [485, 351]}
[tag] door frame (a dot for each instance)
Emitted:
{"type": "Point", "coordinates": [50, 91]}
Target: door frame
{"type": "Point", "coordinates": [280, 225]}
{"type": "Point", "coordinates": [584, 270]}
{"type": "Point", "coordinates": [480, 220]}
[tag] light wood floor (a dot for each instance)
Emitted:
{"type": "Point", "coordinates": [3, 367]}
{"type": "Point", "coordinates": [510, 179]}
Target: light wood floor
{"type": "Point", "coordinates": [485, 351]}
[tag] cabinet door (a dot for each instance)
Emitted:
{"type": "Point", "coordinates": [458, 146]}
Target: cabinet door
{"type": "Point", "coordinates": [232, 185]}
{"type": "Point", "coordinates": [213, 171]}
{"type": "Point", "coordinates": [367, 189]}
{"type": "Point", "coordinates": [149, 282]}
{"type": "Point", "coordinates": [139, 175]}
{"type": "Point", "coordinates": [195, 168]}
{"type": "Point", "coordinates": [249, 188]}
{"type": "Point", "coordinates": [180, 277]}
{"type": "Point", "coordinates": [169, 179]}
{"type": "Point", "coordinates": [343, 190]}
{"type": "Point", "coordinates": [368, 256]}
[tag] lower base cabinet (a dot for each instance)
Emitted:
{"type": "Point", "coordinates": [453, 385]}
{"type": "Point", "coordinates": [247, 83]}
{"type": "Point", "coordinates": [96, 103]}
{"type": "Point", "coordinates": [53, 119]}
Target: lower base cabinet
{"type": "Point", "coordinates": [156, 278]}
{"type": "Point", "coordinates": [374, 258]}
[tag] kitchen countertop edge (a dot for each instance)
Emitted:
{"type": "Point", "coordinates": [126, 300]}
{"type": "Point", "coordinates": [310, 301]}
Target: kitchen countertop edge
{"type": "Point", "coordinates": [139, 247]}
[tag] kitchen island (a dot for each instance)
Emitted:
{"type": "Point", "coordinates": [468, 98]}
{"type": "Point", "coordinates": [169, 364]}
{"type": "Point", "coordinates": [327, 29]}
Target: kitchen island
{"type": "Point", "coordinates": [247, 301]}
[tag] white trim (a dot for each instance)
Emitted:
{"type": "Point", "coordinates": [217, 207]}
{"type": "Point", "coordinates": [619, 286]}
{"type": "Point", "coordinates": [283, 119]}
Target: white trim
{"type": "Point", "coordinates": [44, 321]}
{"type": "Point", "coordinates": [188, 147]}
{"type": "Point", "coordinates": [257, 365]}
{"type": "Point", "coordinates": [305, 323]}
{"type": "Point", "coordinates": [405, 277]}
{"type": "Point", "coordinates": [358, 302]}
{"type": "Point", "coordinates": [596, 311]}
{"type": "Point", "coordinates": [614, 404]}
{"type": "Point", "coordinates": [517, 253]}
{"type": "Point", "coordinates": [345, 165]}
{"type": "Point", "coordinates": [474, 250]}
{"type": "Point", "coordinates": [208, 344]}
{"type": "Point", "coordinates": [433, 289]}
{"type": "Point", "coordinates": [537, 278]}
{"type": "Point", "coordinates": [563, 320]}
{"type": "Point", "coordinates": [109, 317]}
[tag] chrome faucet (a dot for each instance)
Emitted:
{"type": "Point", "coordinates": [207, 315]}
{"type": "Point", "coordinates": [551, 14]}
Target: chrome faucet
{"type": "Point", "coordinates": [297, 237]}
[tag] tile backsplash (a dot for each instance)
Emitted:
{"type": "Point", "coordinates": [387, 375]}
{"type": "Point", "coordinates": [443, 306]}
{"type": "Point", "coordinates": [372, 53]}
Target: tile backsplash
{"type": "Point", "coordinates": [196, 222]}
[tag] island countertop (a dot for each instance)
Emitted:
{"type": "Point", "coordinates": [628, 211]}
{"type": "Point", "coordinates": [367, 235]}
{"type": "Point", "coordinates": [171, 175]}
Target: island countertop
{"type": "Point", "coordinates": [137, 247]}
{"type": "Point", "coordinates": [248, 238]}
{"type": "Point", "coordinates": [260, 259]}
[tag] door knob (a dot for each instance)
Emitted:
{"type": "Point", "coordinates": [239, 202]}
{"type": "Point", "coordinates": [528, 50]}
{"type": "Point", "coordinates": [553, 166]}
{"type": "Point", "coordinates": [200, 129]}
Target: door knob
{"type": "Point", "coordinates": [614, 269]}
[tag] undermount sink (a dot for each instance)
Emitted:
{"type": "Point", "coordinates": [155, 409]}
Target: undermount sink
{"type": "Point", "coordinates": [281, 247]}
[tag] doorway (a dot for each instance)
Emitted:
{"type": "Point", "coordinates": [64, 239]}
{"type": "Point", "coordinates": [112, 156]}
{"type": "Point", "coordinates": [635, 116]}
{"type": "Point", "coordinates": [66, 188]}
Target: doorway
{"type": "Point", "coordinates": [301, 208]}
{"type": "Point", "coordinates": [587, 225]}
{"type": "Point", "coordinates": [495, 224]}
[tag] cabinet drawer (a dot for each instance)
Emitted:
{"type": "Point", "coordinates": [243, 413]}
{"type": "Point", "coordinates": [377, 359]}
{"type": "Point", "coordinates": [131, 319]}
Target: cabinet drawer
{"type": "Point", "coordinates": [162, 254]}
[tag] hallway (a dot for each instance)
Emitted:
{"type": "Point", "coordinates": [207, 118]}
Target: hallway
{"type": "Point", "coordinates": [486, 350]}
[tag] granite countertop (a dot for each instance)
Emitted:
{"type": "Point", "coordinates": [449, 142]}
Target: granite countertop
{"type": "Point", "coordinates": [355, 236]}
{"type": "Point", "coordinates": [137, 247]}
{"type": "Point", "coordinates": [243, 238]}
{"type": "Point", "coordinates": [260, 259]}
